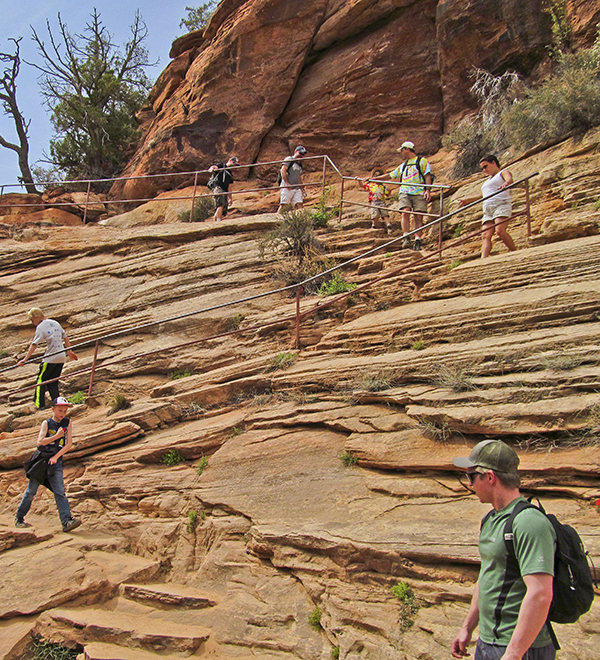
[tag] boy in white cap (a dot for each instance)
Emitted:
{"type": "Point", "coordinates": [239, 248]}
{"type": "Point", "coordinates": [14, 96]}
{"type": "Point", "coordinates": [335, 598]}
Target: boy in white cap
{"type": "Point", "coordinates": [413, 197]}
{"type": "Point", "coordinates": [55, 439]}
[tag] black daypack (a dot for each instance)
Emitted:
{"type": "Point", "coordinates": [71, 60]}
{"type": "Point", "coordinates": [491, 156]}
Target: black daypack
{"type": "Point", "coordinates": [573, 583]}
{"type": "Point", "coordinates": [289, 163]}
{"type": "Point", "coordinates": [419, 170]}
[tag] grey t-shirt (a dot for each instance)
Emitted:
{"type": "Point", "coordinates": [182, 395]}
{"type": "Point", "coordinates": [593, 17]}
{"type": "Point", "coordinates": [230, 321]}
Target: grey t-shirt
{"type": "Point", "coordinates": [51, 332]}
{"type": "Point", "coordinates": [294, 171]}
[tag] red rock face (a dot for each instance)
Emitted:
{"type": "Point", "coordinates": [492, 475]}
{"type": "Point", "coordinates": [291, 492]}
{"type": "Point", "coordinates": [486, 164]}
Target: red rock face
{"type": "Point", "coordinates": [350, 78]}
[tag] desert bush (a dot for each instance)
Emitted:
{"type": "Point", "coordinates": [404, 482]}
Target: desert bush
{"type": "Point", "coordinates": [326, 208]}
{"type": "Point", "coordinates": [458, 379]}
{"type": "Point", "coordinates": [348, 459]}
{"type": "Point", "coordinates": [337, 284]}
{"type": "Point", "coordinates": [314, 618]}
{"type": "Point", "coordinates": [203, 209]}
{"type": "Point", "coordinates": [408, 604]}
{"type": "Point", "coordinates": [77, 398]}
{"type": "Point", "coordinates": [373, 381]}
{"type": "Point", "coordinates": [192, 410]}
{"type": "Point", "coordinates": [180, 373]}
{"type": "Point", "coordinates": [119, 402]}
{"type": "Point", "coordinates": [192, 521]}
{"type": "Point", "coordinates": [282, 360]}
{"type": "Point", "coordinates": [419, 345]}
{"type": "Point", "coordinates": [294, 235]}
{"type": "Point", "coordinates": [234, 322]}
{"type": "Point", "coordinates": [437, 431]}
{"type": "Point", "coordinates": [201, 465]}
{"type": "Point", "coordinates": [171, 457]}
{"type": "Point", "coordinates": [43, 650]}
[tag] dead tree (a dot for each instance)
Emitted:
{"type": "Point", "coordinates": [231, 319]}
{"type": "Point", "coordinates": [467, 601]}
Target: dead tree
{"type": "Point", "coordinates": [8, 97]}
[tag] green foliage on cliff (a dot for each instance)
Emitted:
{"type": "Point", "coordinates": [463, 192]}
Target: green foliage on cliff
{"type": "Point", "coordinates": [198, 17]}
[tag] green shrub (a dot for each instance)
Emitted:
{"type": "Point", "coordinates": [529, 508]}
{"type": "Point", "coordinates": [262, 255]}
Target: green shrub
{"type": "Point", "coordinates": [192, 521]}
{"type": "Point", "coordinates": [458, 230]}
{"type": "Point", "coordinates": [335, 653]}
{"type": "Point", "coordinates": [314, 618]}
{"type": "Point", "coordinates": [418, 345]}
{"type": "Point", "coordinates": [203, 209]}
{"type": "Point", "coordinates": [172, 457]}
{"type": "Point", "coordinates": [235, 431]}
{"type": "Point", "coordinates": [325, 209]}
{"type": "Point", "coordinates": [337, 284]}
{"type": "Point", "coordinates": [282, 361]}
{"type": "Point", "coordinates": [202, 464]}
{"type": "Point", "coordinates": [455, 264]}
{"type": "Point", "coordinates": [234, 322]}
{"type": "Point", "coordinates": [294, 235]}
{"type": "Point", "coordinates": [119, 402]}
{"type": "Point", "coordinates": [408, 605]}
{"type": "Point", "coordinates": [348, 459]}
{"type": "Point", "coordinates": [77, 398]}
{"type": "Point", "coordinates": [437, 431]}
{"type": "Point", "coordinates": [375, 381]}
{"type": "Point", "coordinates": [179, 373]}
{"type": "Point", "coordinates": [192, 410]}
{"type": "Point", "coordinates": [43, 650]}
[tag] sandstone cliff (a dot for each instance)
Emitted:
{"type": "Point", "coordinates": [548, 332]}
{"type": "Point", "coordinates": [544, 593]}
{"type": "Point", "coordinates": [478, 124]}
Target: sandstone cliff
{"type": "Point", "coordinates": [232, 551]}
{"type": "Point", "coordinates": [350, 78]}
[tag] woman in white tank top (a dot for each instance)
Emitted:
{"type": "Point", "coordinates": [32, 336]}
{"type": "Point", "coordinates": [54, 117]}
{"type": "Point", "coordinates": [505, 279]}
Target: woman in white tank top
{"type": "Point", "coordinates": [497, 210]}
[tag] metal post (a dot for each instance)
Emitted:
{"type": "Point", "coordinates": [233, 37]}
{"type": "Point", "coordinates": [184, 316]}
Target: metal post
{"type": "Point", "coordinates": [194, 197]}
{"type": "Point", "coordinates": [324, 175]}
{"type": "Point", "coordinates": [93, 367]}
{"type": "Point", "coordinates": [87, 200]}
{"type": "Point", "coordinates": [298, 317]}
{"type": "Point", "coordinates": [341, 200]}
{"type": "Point", "coordinates": [527, 209]}
{"type": "Point", "coordinates": [440, 223]}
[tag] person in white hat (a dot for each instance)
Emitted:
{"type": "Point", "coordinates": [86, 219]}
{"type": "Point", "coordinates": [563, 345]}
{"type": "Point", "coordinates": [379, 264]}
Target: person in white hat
{"type": "Point", "coordinates": [291, 193]}
{"type": "Point", "coordinates": [413, 196]}
{"type": "Point", "coordinates": [54, 440]}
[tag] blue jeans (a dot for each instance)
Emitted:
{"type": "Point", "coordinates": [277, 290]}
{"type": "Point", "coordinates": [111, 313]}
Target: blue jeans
{"type": "Point", "coordinates": [55, 478]}
{"type": "Point", "coordinates": [485, 651]}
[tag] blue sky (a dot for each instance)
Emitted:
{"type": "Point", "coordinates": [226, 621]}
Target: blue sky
{"type": "Point", "coordinates": [162, 19]}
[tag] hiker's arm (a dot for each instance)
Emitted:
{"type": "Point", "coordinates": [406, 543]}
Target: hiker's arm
{"type": "Point", "coordinates": [429, 181]}
{"type": "Point", "coordinates": [42, 439]}
{"type": "Point", "coordinates": [30, 352]}
{"type": "Point", "coordinates": [532, 615]}
{"type": "Point", "coordinates": [508, 179]}
{"type": "Point", "coordinates": [70, 353]}
{"type": "Point", "coordinates": [462, 640]}
{"type": "Point", "coordinates": [65, 449]}
{"type": "Point", "coordinates": [284, 170]}
{"type": "Point", "coordinates": [467, 200]}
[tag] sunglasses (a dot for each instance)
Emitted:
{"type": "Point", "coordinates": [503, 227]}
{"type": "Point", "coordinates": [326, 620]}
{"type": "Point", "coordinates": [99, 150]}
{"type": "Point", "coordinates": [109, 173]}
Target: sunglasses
{"type": "Point", "coordinates": [471, 476]}
{"type": "Point", "coordinates": [484, 167]}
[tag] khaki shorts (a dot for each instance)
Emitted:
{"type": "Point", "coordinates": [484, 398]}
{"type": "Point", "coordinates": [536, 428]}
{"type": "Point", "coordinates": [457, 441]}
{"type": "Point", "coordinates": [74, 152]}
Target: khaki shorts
{"type": "Point", "coordinates": [379, 210]}
{"type": "Point", "coordinates": [412, 202]}
{"type": "Point", "coordinates": [501, 209]}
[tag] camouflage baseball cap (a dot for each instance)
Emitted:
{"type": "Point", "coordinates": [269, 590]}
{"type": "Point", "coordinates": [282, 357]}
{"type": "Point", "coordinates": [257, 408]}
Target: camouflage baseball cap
{"type": "Point", "coordinates": [490, 454]}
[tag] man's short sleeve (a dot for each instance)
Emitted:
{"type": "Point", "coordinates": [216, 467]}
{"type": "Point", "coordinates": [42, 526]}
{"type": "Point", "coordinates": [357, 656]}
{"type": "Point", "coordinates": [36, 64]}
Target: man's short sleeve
{"type": "Point", "coordinates": [534, 542]}
{"type": "Point", "coordinates": [395, 174]}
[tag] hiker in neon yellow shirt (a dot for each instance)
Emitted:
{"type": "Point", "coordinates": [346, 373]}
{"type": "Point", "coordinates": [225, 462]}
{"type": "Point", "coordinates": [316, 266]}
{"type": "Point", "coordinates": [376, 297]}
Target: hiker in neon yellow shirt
{"type": "Point", "coordinates": [413, 197]}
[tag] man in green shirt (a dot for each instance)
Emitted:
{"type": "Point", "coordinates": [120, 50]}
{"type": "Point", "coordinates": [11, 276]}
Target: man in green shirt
{"type": "Point", "coordinates": [513, 628]}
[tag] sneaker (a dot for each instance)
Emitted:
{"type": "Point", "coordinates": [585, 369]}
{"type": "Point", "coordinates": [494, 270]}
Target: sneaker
{"type": "Point", "coordinates": [417, 244]}
{"type": "Point", "coordinates": [72, 524]}
{"type": "Point", "coordinates": [19, 522]}
{"type": "Point", "coordinates": [406, 243]}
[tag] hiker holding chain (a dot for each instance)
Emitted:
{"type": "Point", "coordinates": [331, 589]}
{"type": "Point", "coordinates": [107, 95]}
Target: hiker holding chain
{"type": "Point", "coordinates": [497, 210]}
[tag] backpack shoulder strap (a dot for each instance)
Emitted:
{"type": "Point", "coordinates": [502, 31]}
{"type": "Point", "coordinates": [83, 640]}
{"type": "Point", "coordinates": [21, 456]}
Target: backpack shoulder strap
{"type": "Point", "coordinates": [417, 164]}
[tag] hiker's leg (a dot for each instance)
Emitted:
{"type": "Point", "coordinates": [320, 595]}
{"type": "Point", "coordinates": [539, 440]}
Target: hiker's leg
{"type": "Point", "coordinates": [503, 235]}
{"type": "Point", "coordinates": [55, 477]}
{"type": "Point", "coordinates": [486, 238]}
{"type": "Point", "coordinates": [32, 488]}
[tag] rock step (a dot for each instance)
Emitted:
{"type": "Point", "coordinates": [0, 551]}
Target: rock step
{"type": "Point", "coordinates": [102, 651]}
{"type": "Point", "coordinates": [168, 595]}
{"type": "Point", "coordinates": [143, 629]}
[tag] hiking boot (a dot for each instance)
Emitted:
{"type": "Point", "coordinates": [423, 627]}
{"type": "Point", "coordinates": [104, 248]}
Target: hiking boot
{"type": "Point", "coordinates": [406, 243]}
{"type": "Point", "coordinates": [19, 522]}
{"type": "Point", "coordinates": [72, 524]}
{"type": "Point", "coordinates": [417, 244]}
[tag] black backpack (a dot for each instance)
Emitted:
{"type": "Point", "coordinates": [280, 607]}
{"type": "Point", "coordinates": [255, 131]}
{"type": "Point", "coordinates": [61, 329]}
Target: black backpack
{"type": "Point", "coordinates": [289, 163]}
{"type": "Point", "coordinates": [419, 170]}
{"type": "Point", "coordinates": [573, 583]}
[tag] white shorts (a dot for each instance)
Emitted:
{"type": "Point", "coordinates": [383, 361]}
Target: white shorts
{"type": "Point", "coordinates": [291, 196]}
{"type": "Point", "coordinates": [500, 209]}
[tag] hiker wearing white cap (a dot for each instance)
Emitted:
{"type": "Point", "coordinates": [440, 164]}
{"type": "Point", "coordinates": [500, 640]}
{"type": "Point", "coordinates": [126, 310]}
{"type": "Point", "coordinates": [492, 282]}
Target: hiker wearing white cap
{"type": "Point", "coordinates": [45, 467]}
{"type": "Point", "coordinates": [290, 181]}
{"type": "Point", "coordinates": [51, 333]}
{"type": "Point", "coordinates": [512, 615]}
{"type": "Point", "coordinates": [413, 197]}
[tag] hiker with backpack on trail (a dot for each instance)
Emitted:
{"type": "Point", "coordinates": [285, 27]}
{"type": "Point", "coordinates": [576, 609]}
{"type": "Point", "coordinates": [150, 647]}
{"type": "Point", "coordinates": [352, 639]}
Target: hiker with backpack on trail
{"type": "Point", "coordinates": [219, 182]}
{"type": "Point", "coordinates": [290, 181]}
{"type": "Point", "coordinates": [413, 197]}
{"type": "Point", "coordinates": [533, 569]}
